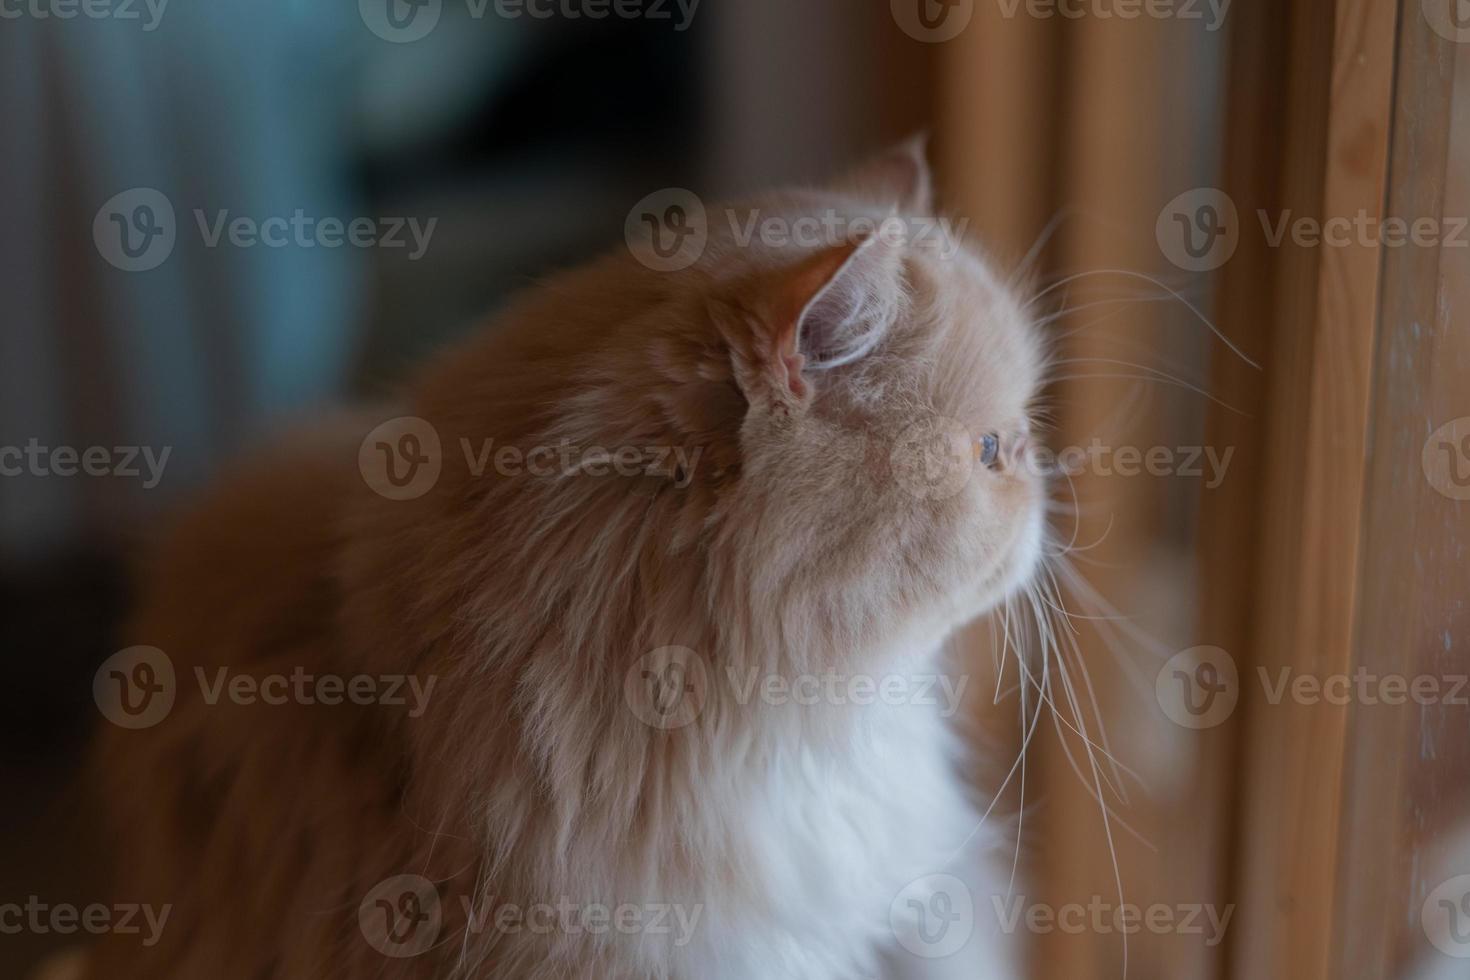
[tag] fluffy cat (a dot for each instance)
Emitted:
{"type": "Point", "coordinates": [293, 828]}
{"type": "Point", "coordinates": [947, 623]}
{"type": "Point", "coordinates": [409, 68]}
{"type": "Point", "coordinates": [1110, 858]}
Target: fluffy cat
{"type": "Point", "coordinates": [621, 717]}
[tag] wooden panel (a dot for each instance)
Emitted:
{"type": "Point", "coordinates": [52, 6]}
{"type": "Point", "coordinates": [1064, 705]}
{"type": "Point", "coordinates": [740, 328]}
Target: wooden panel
{"type": "Point", "coordinates": [1318, 432]}
{"type": "Point", "coordinates": [1406, 812]}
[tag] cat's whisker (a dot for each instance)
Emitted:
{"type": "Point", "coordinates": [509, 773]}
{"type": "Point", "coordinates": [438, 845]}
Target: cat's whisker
{"type": "Point", "coordinates": [1119, 362]}
{"type": "Point", "coordinates": [1112, 626]}
{"type": "Point", "coordinates": [1083, 549]}
{"type": "Point", "coordinates": [1095, 601]}
{"type": "Point", "coordinates": [1136, 377]}
{"type": "Point", "coordinates": [1092, 698]}
{"type": "Point", "coordinates": [1048, 592]}
{"type": "Point", "coordinates": [1062, 313]}
{"type": "Point", "coordinates": [1004, 646]}
{"type": "Point", "coordinates": [1076, 509]}
{"type": "Point", "coordinates": [1021, 811]}
{"type": "Point", "coordinates": [1033, 254]}
{"type": "Point", "coordinates": [1043, 686]}
{"type": "Point", "coordinates": [1093, 789]}
{"type": "Point", "coordinates": [1018, 765]}
{"type": "Point", "coordinates": [1131, 274]}
{"type": "Point", "coordinates": [1158, 361]}
{"type": "Point", "coordinates": [1098, 780]}
{"type": "Point", "coordinates": [1107, 818]}
{"type": "Point", "coordinates": [1128, 288]}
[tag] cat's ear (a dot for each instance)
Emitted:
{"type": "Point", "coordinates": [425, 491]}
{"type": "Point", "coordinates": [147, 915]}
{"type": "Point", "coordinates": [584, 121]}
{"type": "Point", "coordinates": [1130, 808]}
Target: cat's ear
{"type": "Point", "coordinates": [899, 177]}
{"type": "Point", "coordinates": [835, 308]}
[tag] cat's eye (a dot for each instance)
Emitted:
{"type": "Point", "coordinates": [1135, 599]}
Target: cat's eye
{"type": "Point", "coordinates": [989, 447]}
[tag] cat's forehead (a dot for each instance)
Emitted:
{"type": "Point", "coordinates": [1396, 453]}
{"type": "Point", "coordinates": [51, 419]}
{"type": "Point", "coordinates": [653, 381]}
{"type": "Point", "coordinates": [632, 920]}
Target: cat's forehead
{"type": "Point", "coordinates": [983, 332]}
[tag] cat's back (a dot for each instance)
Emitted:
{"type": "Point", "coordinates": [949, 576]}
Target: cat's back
{"type": "Point", "coordinates": [252, 562]}
{"type": "Point", "coordinates": [243, 590]}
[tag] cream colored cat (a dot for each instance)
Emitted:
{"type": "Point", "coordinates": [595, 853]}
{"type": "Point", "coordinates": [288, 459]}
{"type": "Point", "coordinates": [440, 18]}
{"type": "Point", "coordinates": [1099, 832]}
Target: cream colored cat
{"type": "Point", "coordinates": [644, 685]}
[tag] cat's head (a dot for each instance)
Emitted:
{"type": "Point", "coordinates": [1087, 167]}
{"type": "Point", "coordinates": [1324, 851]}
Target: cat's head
{"type": "Point", "coordinates": [845, 387]}
{"type": "Point", "coordinates": [887, 377]}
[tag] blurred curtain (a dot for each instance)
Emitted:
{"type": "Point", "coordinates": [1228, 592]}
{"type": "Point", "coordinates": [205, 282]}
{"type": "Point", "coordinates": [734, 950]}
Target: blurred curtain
{"type": "Point", "coordinates": [231, 106]}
